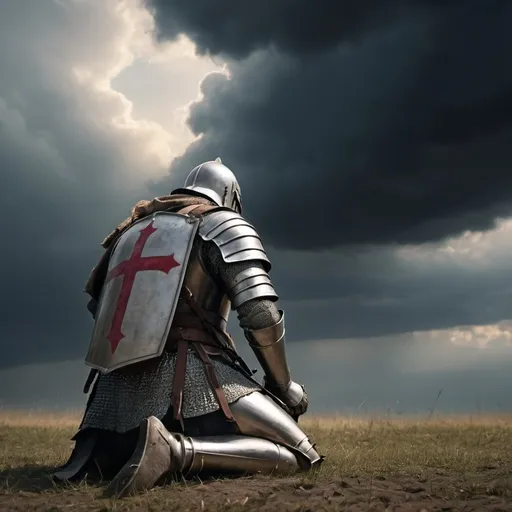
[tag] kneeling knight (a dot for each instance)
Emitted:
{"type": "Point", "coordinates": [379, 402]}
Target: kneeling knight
{"type": "Point", "coordinates": [169, 394]}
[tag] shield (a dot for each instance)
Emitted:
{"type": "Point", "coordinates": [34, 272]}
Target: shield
{"type": "Point", "coordinates": [141, 291]}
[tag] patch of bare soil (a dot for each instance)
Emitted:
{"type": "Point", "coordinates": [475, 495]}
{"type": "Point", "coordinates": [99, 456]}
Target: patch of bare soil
{"type": "Point", "coordinates": [437, 492]}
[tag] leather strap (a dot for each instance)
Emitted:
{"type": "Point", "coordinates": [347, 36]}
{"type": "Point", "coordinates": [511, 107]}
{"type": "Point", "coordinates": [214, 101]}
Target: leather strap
{"type": "Point", "coordinates": [214, 382]}
{"type": "Point", "coordinates": [193, 335]}
{"type": "Point", "coordinates": [188, 297]}
{"type": "Point", "coordinates": [184, 317]}
{"type": "Point", "coordinates": [197, 209]}
{"type": "Point", "coordinates": [188, 209]}
{"type": "Point", "coordinates": [91, 378]}
{"type": "Point", "coordinates": [178, 382]}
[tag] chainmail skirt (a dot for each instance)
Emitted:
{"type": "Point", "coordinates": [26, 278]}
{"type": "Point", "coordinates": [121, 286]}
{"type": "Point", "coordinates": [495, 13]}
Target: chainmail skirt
{"type": "Point", "coordinates": [123, 400]}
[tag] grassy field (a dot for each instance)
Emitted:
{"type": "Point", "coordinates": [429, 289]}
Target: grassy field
{"type": "Point", "coordinates": [372, 464]}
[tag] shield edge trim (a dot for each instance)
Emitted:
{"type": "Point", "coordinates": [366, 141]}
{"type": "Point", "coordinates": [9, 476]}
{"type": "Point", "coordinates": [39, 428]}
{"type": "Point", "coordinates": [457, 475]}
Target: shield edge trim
{"type": "Point", "coordinates": [191, 220]}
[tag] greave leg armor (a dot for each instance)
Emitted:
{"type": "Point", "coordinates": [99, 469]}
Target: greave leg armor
{"type": "Point", "coordinates": [241, 454]}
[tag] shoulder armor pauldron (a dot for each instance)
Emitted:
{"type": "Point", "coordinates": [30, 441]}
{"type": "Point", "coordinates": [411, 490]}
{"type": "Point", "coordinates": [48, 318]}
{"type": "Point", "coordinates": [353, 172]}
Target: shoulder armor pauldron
{"type": "Point", "coordinates": [236, 239]}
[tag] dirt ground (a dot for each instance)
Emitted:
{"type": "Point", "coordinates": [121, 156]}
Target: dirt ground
{"type": "Point", "coordinates": [444, 464]}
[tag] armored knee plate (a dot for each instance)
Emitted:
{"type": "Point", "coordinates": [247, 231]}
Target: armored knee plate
{"type": "Point", "coordinates": [258, 415]}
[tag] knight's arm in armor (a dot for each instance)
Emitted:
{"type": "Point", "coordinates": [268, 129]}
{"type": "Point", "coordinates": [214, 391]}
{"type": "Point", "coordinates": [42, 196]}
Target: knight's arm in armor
{"type": "Point", "coordinates": [268, 344]}
{"type": "Point", "coordinates": [238, 261]}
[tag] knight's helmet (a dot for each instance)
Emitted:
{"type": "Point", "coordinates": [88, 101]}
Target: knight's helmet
{"type": "Point", "coordinates": [214, 181]}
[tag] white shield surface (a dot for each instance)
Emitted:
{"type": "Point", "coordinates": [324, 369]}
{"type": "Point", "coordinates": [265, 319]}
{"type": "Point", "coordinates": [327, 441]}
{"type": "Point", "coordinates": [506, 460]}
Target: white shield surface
{"type": "Point", "coordinates": [141, 291]}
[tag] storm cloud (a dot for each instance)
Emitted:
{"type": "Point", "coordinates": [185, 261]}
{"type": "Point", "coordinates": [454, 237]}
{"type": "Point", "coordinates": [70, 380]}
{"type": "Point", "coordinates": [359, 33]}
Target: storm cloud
{"type": "Point", "coordinates": [394, 127]}
{"type": "Point", "coordinates": [297, 26]}
{"type": "Point", "coordinates": [387, 126]}
{"type": "Point", "coordinates": [72, 163]}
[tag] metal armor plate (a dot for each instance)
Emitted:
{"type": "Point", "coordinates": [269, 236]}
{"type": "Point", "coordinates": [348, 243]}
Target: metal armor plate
{"type": "Point", "coordinates": [234, 236]}
{"type": "Point", "coordinates": [141, 291]}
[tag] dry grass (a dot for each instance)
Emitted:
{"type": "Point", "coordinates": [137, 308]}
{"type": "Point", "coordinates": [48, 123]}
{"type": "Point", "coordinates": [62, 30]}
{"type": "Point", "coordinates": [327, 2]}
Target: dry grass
{"type": "Point", "coordinates": [447, 463]}
{"type": "Point", "coordinates": [20, 418]}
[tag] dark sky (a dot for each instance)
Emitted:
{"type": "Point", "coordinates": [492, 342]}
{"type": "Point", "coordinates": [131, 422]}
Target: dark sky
{"type": "Point", "coordinates": [369, 139]}
{"type": "Point", "coordinates": [393, 125]}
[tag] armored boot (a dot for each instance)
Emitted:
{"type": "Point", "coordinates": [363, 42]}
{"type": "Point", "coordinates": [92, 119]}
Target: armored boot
{"type": "Point", "coordinates": [160, 453]}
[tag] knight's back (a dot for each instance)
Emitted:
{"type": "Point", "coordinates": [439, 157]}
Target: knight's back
{"type": "Point", "coordinates": [161, 296]}
{"type": "Point", "coordinates": [222, 266]}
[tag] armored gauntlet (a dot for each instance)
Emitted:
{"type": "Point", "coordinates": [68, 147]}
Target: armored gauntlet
{"type": "Point", "coordinates": [269, 347]}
